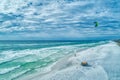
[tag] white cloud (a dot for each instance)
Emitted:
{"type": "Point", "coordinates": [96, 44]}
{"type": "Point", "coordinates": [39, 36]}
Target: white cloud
{"type": "Point", "coordinates": [54, 19]}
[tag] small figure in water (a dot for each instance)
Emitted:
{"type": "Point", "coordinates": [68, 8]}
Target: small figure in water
{"type": "Point", "coordinates": [96, 24]}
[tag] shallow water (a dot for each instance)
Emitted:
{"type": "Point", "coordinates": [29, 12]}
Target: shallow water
{"type": "Point", "coordinates": [18, 59]}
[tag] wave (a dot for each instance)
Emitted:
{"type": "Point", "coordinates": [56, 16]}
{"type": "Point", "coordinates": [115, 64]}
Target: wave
{"type": "Point", "coordinates": [3, 71]}
{"type": "Point", "coordinates": [10, 55]}
{"type": "Point", "coordinates": [69, 68]}
{"type": "Point", "coordinates": [37, 59]}
{"type": "Point", "coordinates": [31, 59]}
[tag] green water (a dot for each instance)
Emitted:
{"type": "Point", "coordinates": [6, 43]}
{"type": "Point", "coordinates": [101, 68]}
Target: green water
{"type": "Point", "coordinates": [22, 58]}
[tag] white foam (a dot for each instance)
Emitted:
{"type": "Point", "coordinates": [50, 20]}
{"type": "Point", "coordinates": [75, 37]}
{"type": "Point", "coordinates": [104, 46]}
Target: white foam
{"type": "Point", "coordinates": [69, 68]}
{"type": "Point", "coordinates": [5, 70]}
{"type": "Point", "coordinates": [35, 54]}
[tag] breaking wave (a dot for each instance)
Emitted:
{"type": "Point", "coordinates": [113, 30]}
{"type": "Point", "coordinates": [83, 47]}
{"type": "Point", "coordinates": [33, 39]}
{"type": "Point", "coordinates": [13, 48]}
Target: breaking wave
{"type": "Point", "coordinates": [103, 60]}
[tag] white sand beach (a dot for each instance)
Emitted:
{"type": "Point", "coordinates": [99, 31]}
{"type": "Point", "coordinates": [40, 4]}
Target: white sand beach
{"type": "Point", "coordinates": [70, 68]}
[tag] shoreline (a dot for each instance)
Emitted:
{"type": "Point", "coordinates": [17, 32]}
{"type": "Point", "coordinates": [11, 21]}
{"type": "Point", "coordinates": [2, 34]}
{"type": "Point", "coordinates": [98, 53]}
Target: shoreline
{"type": "Point", "coordinates": [71, 62]}
{"type": "Point", "coordinates": [54, 67]}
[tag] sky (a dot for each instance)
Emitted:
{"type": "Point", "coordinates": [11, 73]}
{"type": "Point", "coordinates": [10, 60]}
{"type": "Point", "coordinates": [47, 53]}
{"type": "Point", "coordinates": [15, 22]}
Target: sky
{"type": "Point", "coordinates": [59, 19]}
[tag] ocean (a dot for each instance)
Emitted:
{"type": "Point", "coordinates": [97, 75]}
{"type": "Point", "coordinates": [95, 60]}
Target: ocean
{"type": "Point", "coordinates": [20, 58]}
{"type": "Point", "coordinates": [23, 59]}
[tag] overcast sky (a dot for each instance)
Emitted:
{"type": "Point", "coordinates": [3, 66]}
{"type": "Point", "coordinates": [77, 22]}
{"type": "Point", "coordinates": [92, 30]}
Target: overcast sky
{"type": "Point", "coordinates": [59, 19]}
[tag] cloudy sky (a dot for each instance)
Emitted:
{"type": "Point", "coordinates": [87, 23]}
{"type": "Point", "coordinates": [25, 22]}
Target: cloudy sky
{"type": "Point", "coordinates": [59, 19]}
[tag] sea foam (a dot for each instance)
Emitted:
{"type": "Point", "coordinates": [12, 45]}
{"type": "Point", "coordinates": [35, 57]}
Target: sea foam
{"type": "Point", "coordinates": [70, 68]}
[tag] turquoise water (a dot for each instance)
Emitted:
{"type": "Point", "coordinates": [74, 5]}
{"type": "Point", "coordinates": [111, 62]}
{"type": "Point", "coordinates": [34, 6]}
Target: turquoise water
{"type": "Point", "coordinates": [22, 58]}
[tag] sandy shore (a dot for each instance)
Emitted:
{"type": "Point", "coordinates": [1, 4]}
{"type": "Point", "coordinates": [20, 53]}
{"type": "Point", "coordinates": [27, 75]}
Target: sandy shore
{"type": "Point", "coordinates": [59, 65]}
{"type": "Point", "coordinates": [69, 68]}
